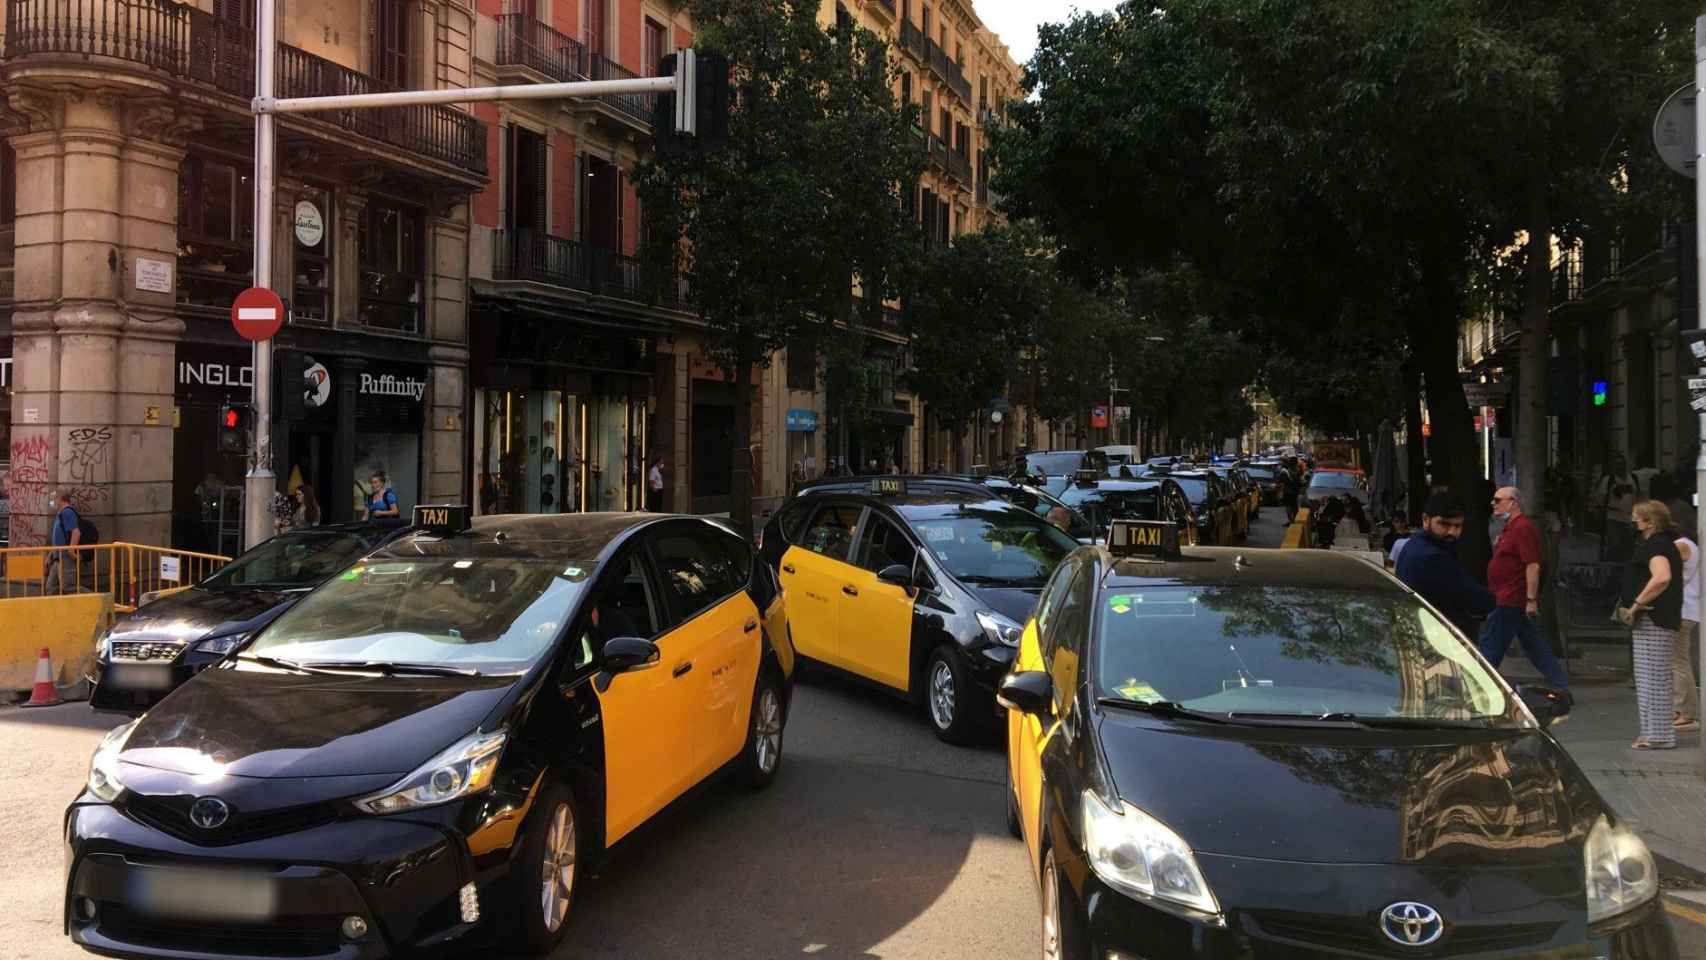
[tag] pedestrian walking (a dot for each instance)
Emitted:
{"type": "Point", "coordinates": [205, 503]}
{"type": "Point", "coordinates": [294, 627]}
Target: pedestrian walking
{"type": "Point", "coordinates": [1290, 497]}
{"type": "Point", "coordinates": [67, 532]}
{"type": "Point", "coordinates": [1514, 577]}
{"type": "Point", "coordinates": [1652, 607]}
{"type": "Point", "coordinates": [654, 483]}
{"type": "Point", "coordinates": [1685, 687]}
{"type": "Point", "coordinates": [1429, 565]}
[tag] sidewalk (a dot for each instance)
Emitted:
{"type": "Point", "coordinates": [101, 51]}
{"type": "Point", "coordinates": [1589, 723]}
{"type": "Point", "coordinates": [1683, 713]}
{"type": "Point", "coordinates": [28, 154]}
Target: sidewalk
{"type": "Point", "coordinates": [1659, 791]}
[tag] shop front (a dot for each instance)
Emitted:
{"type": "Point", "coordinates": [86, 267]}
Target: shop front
{"type": "Point", "coordinates": [359, 423]}
{"type": "Point", "coordinates": [562, 413]}
{"type": "Point", "coordinates": [207, 476]}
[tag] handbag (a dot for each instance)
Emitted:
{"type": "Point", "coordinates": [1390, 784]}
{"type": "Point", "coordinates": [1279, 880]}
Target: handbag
{"type": "Point", "coordinates": [1624, 615]}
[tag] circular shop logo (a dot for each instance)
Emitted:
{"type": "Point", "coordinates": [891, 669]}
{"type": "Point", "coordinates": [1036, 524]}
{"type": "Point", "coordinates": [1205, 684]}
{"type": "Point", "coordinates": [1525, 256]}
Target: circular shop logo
{"type": "Point", "coordinates": [316, 385]}
{"type": "Point", "coordinates": [209, 813]}
{"type": "Point", "coordinates": [310, 226]}
{"type": "Point", "coordinates": [1411, 924]}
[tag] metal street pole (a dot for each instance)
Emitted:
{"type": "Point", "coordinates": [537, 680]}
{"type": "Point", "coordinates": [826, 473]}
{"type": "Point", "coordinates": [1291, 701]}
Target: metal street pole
{"type": "Point", "coordinates": [1700, 295]}
{"type": "Point", "coordinates": [259, 486]}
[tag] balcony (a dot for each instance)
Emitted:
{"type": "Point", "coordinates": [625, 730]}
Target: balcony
{"type": "Point", "coordinates": [957, 80]}
{"type": "Point", "coordinates": [959, 166]}
{"type": "Point", "coordinates": [185, 43]}
{"type": "Point", "coordinates": [632, 108]}
{"type": "Point", "coordinates": [525, 42]}
{"type": "Point", "coordinates": [913, 42]}
{"type": "Point", "coordinates": [526, 256]}
{"type": "Point", "coordinates": [983, 193]}
{"type": "Point", "coordinates": [882, 7]}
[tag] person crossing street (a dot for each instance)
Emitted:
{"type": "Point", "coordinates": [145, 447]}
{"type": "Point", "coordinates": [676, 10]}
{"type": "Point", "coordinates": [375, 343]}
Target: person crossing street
{"type": "Point", "coordinates": [1429, 565]}
{"type": "Point", "coordinates": [1514, 577]}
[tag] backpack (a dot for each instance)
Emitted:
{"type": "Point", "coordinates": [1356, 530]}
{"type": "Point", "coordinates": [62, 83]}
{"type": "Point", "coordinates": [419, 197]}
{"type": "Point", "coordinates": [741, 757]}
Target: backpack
{"type": "Point", "coordinates": [90, 533]}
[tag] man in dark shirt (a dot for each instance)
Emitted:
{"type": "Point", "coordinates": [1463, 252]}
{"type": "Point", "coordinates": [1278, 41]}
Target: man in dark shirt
{"type": "Point", "coordinates": [1429, 565]}
{"type": "Point", "coordinates": [1514, 576]}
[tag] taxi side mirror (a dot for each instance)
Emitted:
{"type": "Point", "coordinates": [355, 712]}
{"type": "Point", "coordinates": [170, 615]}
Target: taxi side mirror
{"type": "Point", "coordinates": [1028, 692]}
{"type": "Point", "coordinates": [896, 574]}
{"type": "Point", "coordinates": [627, 654]}
{"type": "Point", "coordinates": [1546, 702]}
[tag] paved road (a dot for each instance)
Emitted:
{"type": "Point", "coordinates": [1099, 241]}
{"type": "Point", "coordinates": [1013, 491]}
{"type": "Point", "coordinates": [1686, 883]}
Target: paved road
{"type": "Point", "coordinates": [875, 841]}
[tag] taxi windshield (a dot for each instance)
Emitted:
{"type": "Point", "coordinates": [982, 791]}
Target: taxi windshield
{"type": "Point", "coordinates": [1334, 481]}
{"type": "Point", "coordinates": [1290, 652]}
{"type": "Point", "coordinates": [1196, 488]}
{"type": "Point", "coordinates": [1261, 472]}
{"type": "Point", "coordinates": [292, 561]}
{"type": "Point", "coordinates": [493, 615]}
{"type": "Point", "coordinates": [1053, 464]}
{"type": "Point", "coordinates": [991, 546]}
{"type": "Point", "coordinates": [1040, 503]}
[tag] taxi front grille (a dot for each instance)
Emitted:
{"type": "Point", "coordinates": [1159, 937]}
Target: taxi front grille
{"type": "Point", "coordinates": [171, 815]}
{"type": "Point", "coordinates": [1360, 933]}
{"type": "Point", "coordinates": [145, 651]}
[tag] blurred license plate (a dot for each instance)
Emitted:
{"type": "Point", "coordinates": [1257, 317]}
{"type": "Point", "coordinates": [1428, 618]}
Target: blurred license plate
{"type": "Point", "coordinates": [210, 894]}
{"type": "Point", "coordinates": [126, 677]}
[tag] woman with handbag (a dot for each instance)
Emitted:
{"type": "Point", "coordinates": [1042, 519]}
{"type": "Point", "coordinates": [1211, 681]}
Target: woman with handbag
{"type": "Point", "coordinates": [1652, 607]}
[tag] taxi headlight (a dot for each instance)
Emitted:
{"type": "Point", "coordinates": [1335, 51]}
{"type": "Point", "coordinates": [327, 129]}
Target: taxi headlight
{"type": "Point", "coordinates": [1000, 629]}
{"type": "Point", "coordinates": [1620, 872]}
{"type": "Point", "coordinates": [465, 767]}
{"type": "Point", "coordinates": [104, 781]}
{"type": "Point", "coordinates": [1138, 855]}
{"type": "Point", "coordinates": [220, 646]}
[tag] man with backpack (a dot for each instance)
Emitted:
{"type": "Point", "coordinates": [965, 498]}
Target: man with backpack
{"type": "Point", "coordinates": [69, 530]}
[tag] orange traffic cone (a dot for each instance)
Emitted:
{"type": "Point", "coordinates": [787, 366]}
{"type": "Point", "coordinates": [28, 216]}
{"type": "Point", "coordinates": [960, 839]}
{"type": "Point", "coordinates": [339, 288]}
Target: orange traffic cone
{"type": "Point", "coordinates": [45, 694]}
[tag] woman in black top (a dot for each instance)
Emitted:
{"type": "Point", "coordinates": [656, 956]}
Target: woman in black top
{"type": "Point", "coordinates": [1652, 590]}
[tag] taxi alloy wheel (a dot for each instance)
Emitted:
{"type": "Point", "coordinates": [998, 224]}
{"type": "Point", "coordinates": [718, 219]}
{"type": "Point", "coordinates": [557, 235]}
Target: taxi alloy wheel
{"type": "Point", "coordinates": [558, 868]}
{"type": "Point", "coordinates": [763, 753]}
{"type": "Point", "coordinates": [1051, 909]}
{"type": "Point", "coordinates": [947, 698]}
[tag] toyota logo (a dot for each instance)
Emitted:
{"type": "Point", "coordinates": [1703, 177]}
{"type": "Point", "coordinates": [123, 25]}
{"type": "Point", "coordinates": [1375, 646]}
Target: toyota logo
{"type": "Point", "coordinates": [1411, 924]}
{"type": "Point", "coordinates": [209, 813]}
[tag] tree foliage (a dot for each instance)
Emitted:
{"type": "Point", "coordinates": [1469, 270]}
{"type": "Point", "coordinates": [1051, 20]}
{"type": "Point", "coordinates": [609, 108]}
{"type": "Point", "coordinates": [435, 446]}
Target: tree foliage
{"type": "Point", "coordinates": [772, 232]}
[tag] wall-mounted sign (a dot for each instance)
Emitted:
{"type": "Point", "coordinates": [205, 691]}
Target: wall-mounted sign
{"type": "Point", "coordinates": [154, 276]}
{"type": "Point", "coordinates": [802, 421]}
{"type": "Point", "coordinates": [170, 569]}
{"type": "Point", "coordinates": [310, 226]}
{"type": "Point", "coordinates": [151, 416]}
{"type": "Point", "coordinates": [389, 385]}
{"type": "Point", "coordinates": [316, 385]}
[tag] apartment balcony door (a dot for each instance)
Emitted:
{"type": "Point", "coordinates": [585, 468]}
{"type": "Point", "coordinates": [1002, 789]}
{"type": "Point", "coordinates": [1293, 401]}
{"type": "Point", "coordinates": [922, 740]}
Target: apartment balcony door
{"type": "Point", "coordinates": [391, 43]}
{"type": "Point", "coordinates": [526, 177]}
{"type": "Point", "coordinates": [601, 203]}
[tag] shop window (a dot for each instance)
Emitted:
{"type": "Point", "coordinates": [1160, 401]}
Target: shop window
{"type": "Point", "coordinates": [311, 231]}
{"type": "Point", "coordinates": [802, 365]}
{"type": "Point", "coordinates": [656, 46]}
{"type": "Point", "coordinates": [391, 43]}
{"type": "Point", "coordinates": [216, 231]}
{"type": "Point", "coordinates": [393, 264]}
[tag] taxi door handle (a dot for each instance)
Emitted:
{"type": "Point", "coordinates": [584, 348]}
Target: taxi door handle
{"type": "Point", "coordinates": [850, 590]}
{"type": "Point", "coordinates": [751, 625]}
{"type": "Point", "coordinates": [787, 568]}
{"type": "Point", "coordinates": [682, 669]}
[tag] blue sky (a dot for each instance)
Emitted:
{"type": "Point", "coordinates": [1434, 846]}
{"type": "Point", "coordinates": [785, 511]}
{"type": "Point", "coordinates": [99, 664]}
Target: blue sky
{"type": "Point", "coordinates": [1015, 21]}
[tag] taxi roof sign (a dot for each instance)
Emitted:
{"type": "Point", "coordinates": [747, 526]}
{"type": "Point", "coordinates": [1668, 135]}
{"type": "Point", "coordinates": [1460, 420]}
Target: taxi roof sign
{"type": "Point", "coordinates": [1087, 477]}
{"type": "Point", "coordinates": [1143, 538]}
{"type": "Point", "coordinates": [887, 486]}
{"type": "Point", "coordinates": [442, 518]}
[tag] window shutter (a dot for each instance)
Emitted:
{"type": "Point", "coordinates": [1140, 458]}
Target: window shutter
{"type": "Point", "coordinates": [541, 178]}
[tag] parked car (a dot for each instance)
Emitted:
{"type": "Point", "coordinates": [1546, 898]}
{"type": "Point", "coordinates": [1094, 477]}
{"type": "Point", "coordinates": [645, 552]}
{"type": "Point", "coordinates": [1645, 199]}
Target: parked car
{"type": "Point", "coordinates": [1059, 466]}
{"type": "Point", "coordinates": [1032, 498]}
{"type": "Point", "coordinates": [1213, 503]}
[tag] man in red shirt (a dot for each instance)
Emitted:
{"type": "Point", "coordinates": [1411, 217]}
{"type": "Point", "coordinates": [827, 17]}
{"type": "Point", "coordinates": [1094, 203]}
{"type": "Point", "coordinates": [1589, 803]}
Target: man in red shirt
{"type": "Point", "coordinates": [1514, 577]}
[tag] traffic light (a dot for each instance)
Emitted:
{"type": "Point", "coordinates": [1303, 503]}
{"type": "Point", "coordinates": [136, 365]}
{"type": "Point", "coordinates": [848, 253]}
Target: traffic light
{"type": "Point", "coordinates": [233, 428]}
{"type": "Point", "coordinates": [705, 125]}
{"type": "Point", "coordinates": [1599, 393]}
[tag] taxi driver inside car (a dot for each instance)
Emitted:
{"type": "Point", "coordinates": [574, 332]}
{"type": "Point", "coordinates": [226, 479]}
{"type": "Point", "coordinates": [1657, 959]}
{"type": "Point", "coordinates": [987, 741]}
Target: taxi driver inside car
{"type": "Point", "coordinates": [1389, 788]}
{"type": "Point", "coordinates": [476, 712]}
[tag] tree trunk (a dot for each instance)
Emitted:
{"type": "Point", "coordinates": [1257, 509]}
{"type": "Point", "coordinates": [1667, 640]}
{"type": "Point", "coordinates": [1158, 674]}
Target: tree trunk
{"type": "Point", "coordinates": [1415, 445]}
{"type": "Point", "coordinates": [740, 489]}
{"type": "Point", "coordinates": [1433, 339]}
{"type": "Point", "coordinates": [1536, 353]}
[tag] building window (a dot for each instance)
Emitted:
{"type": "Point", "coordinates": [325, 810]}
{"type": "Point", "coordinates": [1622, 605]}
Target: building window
{"type": "Point", "coordinates": [312, 220]}
{"type": "Point", "coordinates": [906, 86]}
{"type": "Point", "coordinates": [391, 43]}
{"type": "Point", "coordinates": [802, 365]}
{"type": "Point", "coordinates": [526, 176]}
{"type": "Point", "coordinates": [925, 21]}
{"type": "Point", "coordinates": [393, 263]}
{"type": "Point", "coordinates": [657, 46]}
{"type": "Point", "coordinates": [927, 116]}
{"type": "Point", "coordinates": [216, 231]}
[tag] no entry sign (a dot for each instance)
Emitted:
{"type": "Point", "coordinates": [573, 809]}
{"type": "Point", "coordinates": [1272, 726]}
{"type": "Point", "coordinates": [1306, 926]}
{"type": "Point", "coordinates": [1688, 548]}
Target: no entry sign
{"type": "Point", "coordinates": [257, 313]}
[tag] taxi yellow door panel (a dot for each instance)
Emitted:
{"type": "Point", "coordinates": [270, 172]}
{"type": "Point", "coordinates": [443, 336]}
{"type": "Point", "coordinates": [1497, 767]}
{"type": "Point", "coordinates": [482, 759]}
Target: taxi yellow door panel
{"type": "Point", "coordinates": [812, 578]}
{"type": "Point", "coordinates": [703, 574]}
{"type": "Point", "coordinates": [1028, 734]}
{"type": "Point", "coordinates": [648, 758]}
{"type": "Point", "coordinates": [876, 617]}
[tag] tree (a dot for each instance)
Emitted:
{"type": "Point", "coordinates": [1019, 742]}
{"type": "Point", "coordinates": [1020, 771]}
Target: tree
{"type": "Point", "coordinates": [773, 232]}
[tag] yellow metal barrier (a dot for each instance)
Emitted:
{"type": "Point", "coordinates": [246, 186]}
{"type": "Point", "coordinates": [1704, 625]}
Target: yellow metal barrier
{"type": "Point", "coordinates": [1297, 536]}
{"type": "Point", "coordinates": [122, 571]}
{"type": "Point", "coordinates": [67, 626]}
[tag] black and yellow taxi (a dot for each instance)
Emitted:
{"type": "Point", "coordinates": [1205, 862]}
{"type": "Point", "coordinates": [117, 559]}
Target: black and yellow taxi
{"type": "Point", "coordinates": [1270, 477]}
{"type": "Point", "coordinates": [1231, 754]}
{"type": "Point", "coordinates": [1013, 490]}
{"type": "Point", "coordinates": [921, 592]}
{"type": "Point", "coordinates": [431, 750]}
{"type": "Point", "coordinates": [1213, 503]}
{"type": "Point", "coordinates": [1152, 498]}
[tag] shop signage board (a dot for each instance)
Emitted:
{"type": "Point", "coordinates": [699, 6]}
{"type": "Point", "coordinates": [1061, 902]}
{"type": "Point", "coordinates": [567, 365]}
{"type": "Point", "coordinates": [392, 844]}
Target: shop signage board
{"type": "Point", "coordinates": [310, 225]}
{"type": "Point", "coordinates": [257, 313]}
{"type": "Point", "coordinates": [802, 421]}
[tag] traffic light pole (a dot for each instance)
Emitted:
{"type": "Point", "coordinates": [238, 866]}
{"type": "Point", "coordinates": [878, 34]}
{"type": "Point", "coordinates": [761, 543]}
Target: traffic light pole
{"type": "Point", "coordinates": [261, 483]}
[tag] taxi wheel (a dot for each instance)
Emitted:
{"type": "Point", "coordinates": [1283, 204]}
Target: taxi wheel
{"type": "Point", "coordinates": [762, 755]}
{"type": "Point", "coordinates": [1062, 939]}
{"type": "Point", "coordinates": [542, 881]}
{"type": "Point", "coordinates": [949, 698]}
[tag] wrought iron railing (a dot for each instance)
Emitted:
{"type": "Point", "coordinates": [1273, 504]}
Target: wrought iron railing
{"type": "Point", "coordinates": [912, 41]}
{"type": "Point", "coordinates": [936, 57]}
{"type": "Point", "coordinates": [956, 78]}
{"type": "Point", "coordinates": [959, 166]}
{"type": "Point", "coordinates": [983, 193]}
{"type": "Point", "coordinates": [573, 265]}
{"type": "Point", "coordinates": [183, 41]}
{"type": "Point", "coordinates": [637, 106]}
{"type": "Point", "coordinates": [887, 5]}
{"type": "Point", "coordinates": [526, 42]}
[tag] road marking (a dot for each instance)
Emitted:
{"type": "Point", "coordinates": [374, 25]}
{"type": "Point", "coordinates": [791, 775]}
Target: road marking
{"type": "Point", "coordinates": [1690, 914]}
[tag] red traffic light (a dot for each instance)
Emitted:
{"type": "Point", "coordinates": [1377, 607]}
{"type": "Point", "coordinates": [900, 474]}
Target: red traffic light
{"type": "Point", "coordinates": [232, 418]}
